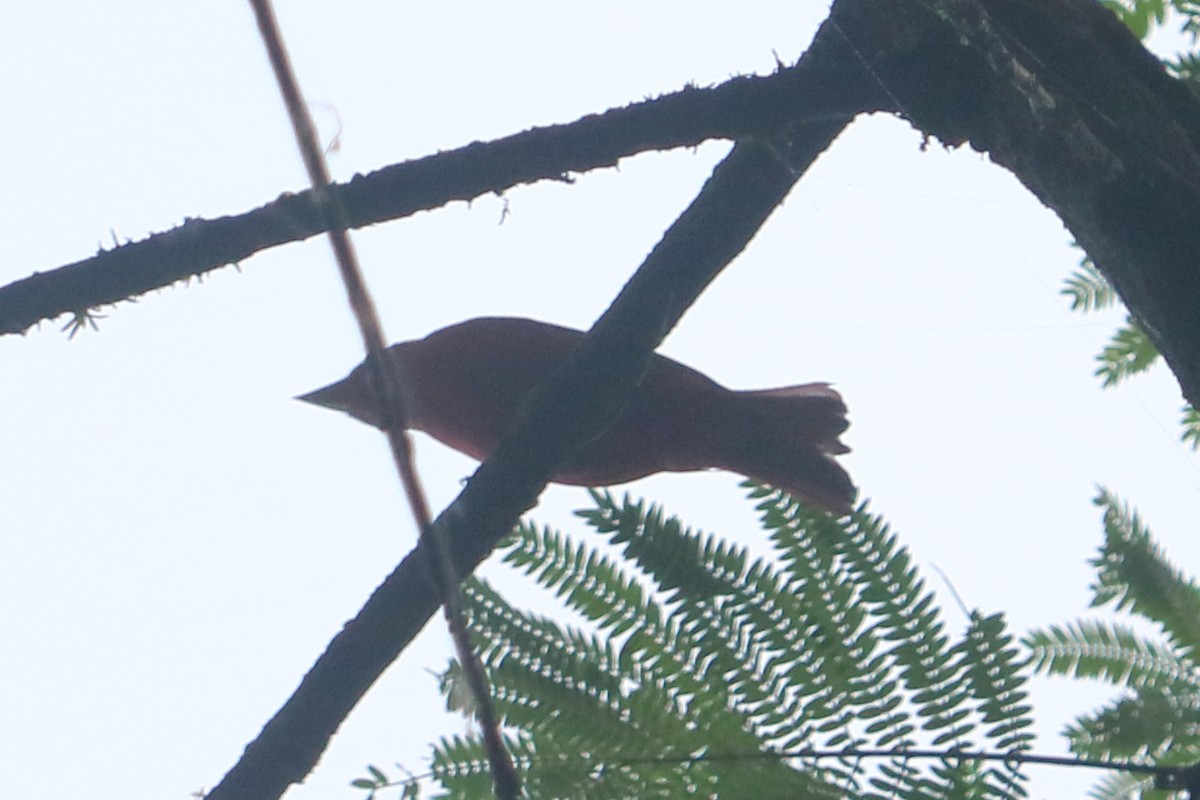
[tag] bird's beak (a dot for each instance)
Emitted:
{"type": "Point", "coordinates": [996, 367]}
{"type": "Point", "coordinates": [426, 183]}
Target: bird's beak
{"type": "Point", "coordinates": [350, 396]}
{"type": "Point", "coordinates": [332, 396]}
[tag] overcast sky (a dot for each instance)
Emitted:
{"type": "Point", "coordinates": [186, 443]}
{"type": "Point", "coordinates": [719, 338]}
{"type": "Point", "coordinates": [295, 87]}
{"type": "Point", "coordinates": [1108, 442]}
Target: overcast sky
{"type": "Point", "coordinates": [181, 538]}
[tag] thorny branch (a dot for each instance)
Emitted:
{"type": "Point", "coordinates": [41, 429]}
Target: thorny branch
{"type": "Point", "coordinates": [744, 106]}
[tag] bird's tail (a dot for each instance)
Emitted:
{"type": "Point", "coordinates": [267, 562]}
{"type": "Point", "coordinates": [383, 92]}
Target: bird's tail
{"type": "Point", "coordinates": [788, 437]}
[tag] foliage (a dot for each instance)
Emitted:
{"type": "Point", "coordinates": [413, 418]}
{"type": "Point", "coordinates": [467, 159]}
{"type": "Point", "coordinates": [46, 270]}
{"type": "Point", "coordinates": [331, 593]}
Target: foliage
{"type": "Point", "coordinates": [1141, 16]}
{"type": "Point", "coordinates": [1130, 350]}
{"type": "Point", "coordinates": [1088, 289]}
{"type": "Point", "coordinates": [718, 674]}
{"type": "Point", "coordinates": [1157, 720]}
{"type": "Point", "coordinates": [1191, 426]}
{"type": "Point", "coordinates": [1186, 66]}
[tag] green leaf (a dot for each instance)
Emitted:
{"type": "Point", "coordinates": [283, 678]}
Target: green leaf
{"type": "Point", "coordinates": [1129, 352]}
{"type": "Point", "coordinates": [1148, 723]}
{"type": "Point", "coordinates": [1088, 289]}
{"type": "Point", "coordinates": [1138, 15]}
{"type": "Point", "coordinates": [691, 645]}
{"type": "Point", "coordinates": [1158, 719]}
{"type": "Point", "coordinates": [1134, 573]}
{"type": "Point", "coordinates": [1191, 427]}
{"type": "Point", "coordinates": [1122, 786]}
{"type": "Point", "coordinates": [1106, 651]}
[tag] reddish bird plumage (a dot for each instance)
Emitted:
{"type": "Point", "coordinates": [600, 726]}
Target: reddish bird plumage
{"type": "Point", "coordinates": [465, 384]}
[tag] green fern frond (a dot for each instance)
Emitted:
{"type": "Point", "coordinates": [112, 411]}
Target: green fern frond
{"type": "Point", "coordinates": [461, 765]}
{"type": "Point", "coordinates": [676, 558]}
{"type": "Point", "coordinates": [953, 688]}
{"type": "Point", "coordinates": [863, 553]}
{"type": "Point", "coordinates": [537, 687]}
{"type": "Point", "coordinates": [543, 674]}
{"type": "Point", "coordinates": [1134, 573]}
{"type": "Point", "coordinates": [1110, 652]}
{"type": "Point", "coordinates": [996, 675]}
{"type": "Point", "coordinates": [1158, 721]}
{"type": "Point", "coordinates": [551, 696]}
{"type": "Point", "coordinates": [842, 666]}
{"type": "Point", "coordinates": [1162, 727]}
{"type": "Point", "coordinates": [721, 630]}
{"type": "Point", "coordinates": [742, 622]}
{"type": "Point", "coordinates": [709, 660]}
{"type": "Point", "coordinates": [745, 619]}
{"type": "Point", "coordinates": [1088, 289]}
{"type": "Point", "coordinates": [1140, 16]}
{"type": "Point", "coordinates": [1186, 66]}
{"type": "Point", "coordinates": [655, 648]}
{"type": "Point", "coordinates": [1191, 427]}
{"type": "Point", "coordinates": [590, 583]}
{"type": "Point", "coordinates": [1128, 353]}
{"type": "Point", "coordinates": [1121, 786]}
{"type": "Point", "coordinates": [537, 666]}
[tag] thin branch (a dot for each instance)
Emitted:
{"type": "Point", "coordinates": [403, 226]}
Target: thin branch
{"type": "Point", "coordinates": [817, 89]}
{"type": "Point", "coordinates": [386, 384]}
{"type": "Point", "coordinates": [575, 406]}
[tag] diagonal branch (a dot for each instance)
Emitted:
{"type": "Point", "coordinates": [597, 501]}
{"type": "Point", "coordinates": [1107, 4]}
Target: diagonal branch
{"type": "Point", "coordinates": [819, 88]}
{"type": "Point", "coordinates": [574, 407]}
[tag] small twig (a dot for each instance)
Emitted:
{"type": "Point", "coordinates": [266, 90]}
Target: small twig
{"type": "Point", "coordinates": [953, 591]}
{"type": "Point", "coordinates": [386, 384]}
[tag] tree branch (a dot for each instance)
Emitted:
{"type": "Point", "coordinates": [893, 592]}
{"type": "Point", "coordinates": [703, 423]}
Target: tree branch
{"type": "Point", "coordinates": [1060, 93]}
{"type": "Point", "coordinates": [574, 407]}
{"type": "Point", "coordinates": [819, 88]}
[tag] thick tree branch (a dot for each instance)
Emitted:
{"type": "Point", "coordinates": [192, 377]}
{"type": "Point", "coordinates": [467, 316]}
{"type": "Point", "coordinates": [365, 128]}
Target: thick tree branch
{"type": "Point", "coordinates": [818, 88]}
{"type": "Point", "coordinates": [576, 406]}
{"type": "Point", "coordinates": [1064, 96]}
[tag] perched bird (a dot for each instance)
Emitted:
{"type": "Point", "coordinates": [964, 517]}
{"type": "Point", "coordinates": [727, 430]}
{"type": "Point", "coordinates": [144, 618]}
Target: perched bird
{"type": "Point", "coordinates": [465, 385]}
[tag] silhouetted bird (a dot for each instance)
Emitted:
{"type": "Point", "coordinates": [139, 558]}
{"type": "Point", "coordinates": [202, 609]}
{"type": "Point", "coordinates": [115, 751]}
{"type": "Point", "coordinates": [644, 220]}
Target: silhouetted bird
{"type": "Point", "coordinates": [465, 385]}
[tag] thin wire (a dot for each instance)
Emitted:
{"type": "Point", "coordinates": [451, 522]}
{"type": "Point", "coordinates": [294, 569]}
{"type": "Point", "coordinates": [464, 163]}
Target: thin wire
{"type": "Point", "coordinates": [1177, 773]}
{"type": "Point", "coordinates": [385, 383]}
{"type": "Point", "coordinates": [954, 755]}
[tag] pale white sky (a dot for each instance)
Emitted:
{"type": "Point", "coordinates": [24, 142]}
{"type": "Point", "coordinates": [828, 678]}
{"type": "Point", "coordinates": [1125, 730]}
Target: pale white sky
{"type": "Point", "coordinates": [181, 538]}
